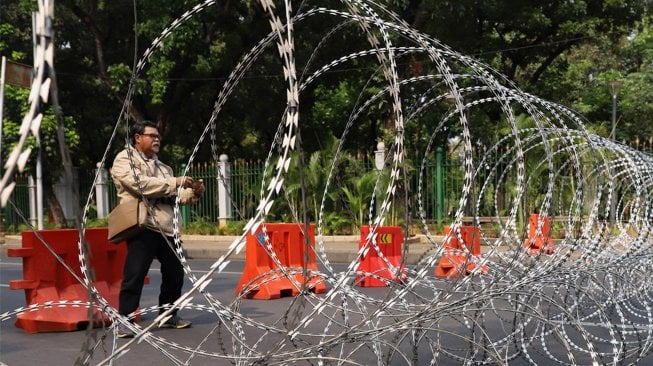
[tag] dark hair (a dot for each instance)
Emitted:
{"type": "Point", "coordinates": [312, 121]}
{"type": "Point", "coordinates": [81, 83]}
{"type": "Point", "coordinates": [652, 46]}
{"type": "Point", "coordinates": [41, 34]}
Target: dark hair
{"type": "Point", "coordinates": [139, 128]}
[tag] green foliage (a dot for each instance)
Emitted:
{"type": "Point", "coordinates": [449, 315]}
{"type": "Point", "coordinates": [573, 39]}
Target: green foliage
{"type": "Point", "coordinates": [16, 99]}
{"type": "Point", "coordinates": [337, 224]}
{"type": "Point", "coordinates": [94, 222]}
{"type": "Point", "coordinates": [159, 83]}
{"type": "Point", "coordinates": [332, 106]}
{"type": "Point", "coordinates": [233, 228]}
{"type": "Point", "coordinates": [594, 67]}
{"type": "Point", "coordinates": [523, 38]}
{"type": "Point", "coordinates": [16, 229]}
{"type": "Point", "coordinates": [558, 230]}
{"type": "Point", "coordinates": [358, 194]}
{"type": "Point", "coordinates": [120, 75]}
{"type": "Point", "coordinates": [562, 50]}
{"type": "Point", "coordinates": [174, 155]}
{"type": "Point", "coordinates": [201, 226]}
{"type": "Point", "coordinates": [531, 42]}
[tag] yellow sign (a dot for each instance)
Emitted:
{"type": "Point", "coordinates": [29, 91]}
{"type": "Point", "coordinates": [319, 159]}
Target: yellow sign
{"type": "Point", "coordinates": [385, 238]}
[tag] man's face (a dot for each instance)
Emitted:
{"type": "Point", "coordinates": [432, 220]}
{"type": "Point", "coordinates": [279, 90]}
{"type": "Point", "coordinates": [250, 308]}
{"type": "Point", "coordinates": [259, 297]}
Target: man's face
{"type": "Point", "coordinates": [149, 142]}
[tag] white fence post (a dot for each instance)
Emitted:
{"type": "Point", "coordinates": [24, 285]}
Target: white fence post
{"type": "Point", "coordinates": [102, 192]}
{"type": "Point", "coordinates": [379, 163]}
{"type": "Point", "coordinates": [224, 191]}
{"type": "Point", "coordinates": [31, 191]}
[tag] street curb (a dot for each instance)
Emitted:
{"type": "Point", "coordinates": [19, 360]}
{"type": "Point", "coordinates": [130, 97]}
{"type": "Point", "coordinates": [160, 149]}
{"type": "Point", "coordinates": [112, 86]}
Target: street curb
{"type": "Point", "coordinates": [339, 249]}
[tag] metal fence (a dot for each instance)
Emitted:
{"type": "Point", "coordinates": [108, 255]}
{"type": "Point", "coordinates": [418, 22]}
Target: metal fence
{"type": "Point", "coordinates": [20, 198]}
{"type": "Point", "coordinates": [245, 183]}
{"type": "Point", "coordinates": [245, 188]}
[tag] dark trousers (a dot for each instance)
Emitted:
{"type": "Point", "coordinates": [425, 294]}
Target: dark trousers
{"type": "Point", "coordinates": [141, 251]}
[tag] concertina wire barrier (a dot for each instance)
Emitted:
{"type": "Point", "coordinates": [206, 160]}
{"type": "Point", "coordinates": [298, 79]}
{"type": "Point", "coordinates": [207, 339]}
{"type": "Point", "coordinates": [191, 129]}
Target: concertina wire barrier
{"type": "Point", "coordinates": [586, 302]}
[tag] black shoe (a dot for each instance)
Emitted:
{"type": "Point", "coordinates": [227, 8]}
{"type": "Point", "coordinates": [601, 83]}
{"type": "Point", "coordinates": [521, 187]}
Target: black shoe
{"type": "Point", "coordinates": [124, 332]}
{"type": "Point", "coordinates": [176, 322]}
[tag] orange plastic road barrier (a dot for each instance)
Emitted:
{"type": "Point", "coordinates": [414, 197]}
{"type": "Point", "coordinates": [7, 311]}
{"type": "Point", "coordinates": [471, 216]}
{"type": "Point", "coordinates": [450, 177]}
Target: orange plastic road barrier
{"type": "Point", "coordinates": [539, 242]}
{"type": "Point", "coordinates": [46, 281]}
{"type": "Point", "coordinates": [454, 261]}
{"type": "Point", "coordinates": [372, 269]}
{"type": "Point", "coordinates": [262, 278]}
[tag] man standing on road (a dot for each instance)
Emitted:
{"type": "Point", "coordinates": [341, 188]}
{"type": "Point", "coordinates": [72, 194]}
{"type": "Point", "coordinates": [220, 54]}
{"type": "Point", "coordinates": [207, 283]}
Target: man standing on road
{"type": "Point", "coordinates": [154, 180]}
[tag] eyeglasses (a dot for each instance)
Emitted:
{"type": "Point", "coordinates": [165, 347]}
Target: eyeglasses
{"type": "Point", "coordinates": [153, 136]}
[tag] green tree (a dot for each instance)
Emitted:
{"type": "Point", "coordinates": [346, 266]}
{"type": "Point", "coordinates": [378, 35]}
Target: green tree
{"type": "Point", "coordinates": [55, 141]}
{"type": "Point", "coordinates": [50, 147]}
{"type": "Point", "coordinates": [548, 49]}
{"type": "Point", "coordinates": [593, 68]}
{"type": "Point", "coordinates": [522, 38]}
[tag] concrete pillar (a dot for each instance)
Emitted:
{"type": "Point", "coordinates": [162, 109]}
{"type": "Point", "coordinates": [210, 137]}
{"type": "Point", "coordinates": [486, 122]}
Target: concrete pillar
{"type": "Point", "coordinates": [31, 190]}
{"type": "Point", "coordinates": [224, 190]}
{"type": "Point", "coordinates": [379, 164]}
{"type": "Point", "coordinates": [379, 156]}
{"type": "Point", "coordinates": [102, 192]}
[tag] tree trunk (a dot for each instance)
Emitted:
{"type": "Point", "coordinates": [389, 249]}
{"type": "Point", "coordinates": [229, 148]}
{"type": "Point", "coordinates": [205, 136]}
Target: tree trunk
{"type": "Point", "coordinates": [56, 215]}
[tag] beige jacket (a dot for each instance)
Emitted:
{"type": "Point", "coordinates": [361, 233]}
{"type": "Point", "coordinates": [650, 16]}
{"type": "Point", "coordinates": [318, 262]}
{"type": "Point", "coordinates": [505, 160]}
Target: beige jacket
{"type": "Point", "coordinates": [157, 182]}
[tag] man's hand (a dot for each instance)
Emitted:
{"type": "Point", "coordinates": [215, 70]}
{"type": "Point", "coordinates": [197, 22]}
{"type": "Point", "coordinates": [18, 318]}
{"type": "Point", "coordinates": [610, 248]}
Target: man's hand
{"type": "Point", "coordinates": [186, 182]}
{"type": "Point", "coordinates": [198, 187]}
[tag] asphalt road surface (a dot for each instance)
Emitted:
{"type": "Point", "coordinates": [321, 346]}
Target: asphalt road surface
{"type": "Point", "coordinates": [18, 347]}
